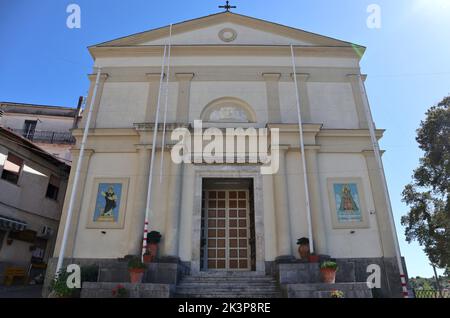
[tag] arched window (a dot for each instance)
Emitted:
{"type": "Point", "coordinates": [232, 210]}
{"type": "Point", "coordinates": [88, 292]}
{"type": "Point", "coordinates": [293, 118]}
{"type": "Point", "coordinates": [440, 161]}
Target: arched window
{"type": "Point", "coordinates": [228, 110]}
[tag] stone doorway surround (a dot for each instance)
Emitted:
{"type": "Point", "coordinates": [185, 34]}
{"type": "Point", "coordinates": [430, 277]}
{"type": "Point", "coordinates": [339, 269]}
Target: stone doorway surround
{"type": "Point", "coordinates": [228, 171]}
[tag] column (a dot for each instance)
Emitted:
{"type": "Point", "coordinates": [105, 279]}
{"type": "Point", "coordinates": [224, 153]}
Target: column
{"type": "Point", "coordinates": [270, 231]}
{"type": "Point", "coordinates": [358, 98]}
{"type": "Point", "coordinates": [282, 207]}
{"type": "Point", "coordinates": [173, 210]}
{"type": "Point", "coordinates": [79, 199]}
{"type": "Point", "coordinates": [187, 239]}
{"type": "Point", "coordinates": [152, 99]}
{"type": "Point", "coordinates": [273, 97]}
{"type": "Point", "coordinates": [140, 199]}
{"type": "Point", "coordinates": [184, 91]}
{"type": "Point", "coordinates": [302, 87]}
{"type": "Point", "coordinates": [381, 210]}
{"type": "Point", "coordinates": [98, 97]}
{"type": "Point", "coordinates": [315, 202]}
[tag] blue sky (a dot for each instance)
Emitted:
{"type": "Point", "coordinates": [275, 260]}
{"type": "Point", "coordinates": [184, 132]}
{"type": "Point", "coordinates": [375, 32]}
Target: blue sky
{"type": "Point", "coordinates": [407, 60]}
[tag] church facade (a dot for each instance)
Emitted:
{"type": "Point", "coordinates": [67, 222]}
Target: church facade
{"type": "Point", "coordinates": [231, 71]}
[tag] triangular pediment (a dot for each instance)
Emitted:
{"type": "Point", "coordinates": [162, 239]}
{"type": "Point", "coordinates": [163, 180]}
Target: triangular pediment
{"type": "Point", "coordinates": [227, 28]}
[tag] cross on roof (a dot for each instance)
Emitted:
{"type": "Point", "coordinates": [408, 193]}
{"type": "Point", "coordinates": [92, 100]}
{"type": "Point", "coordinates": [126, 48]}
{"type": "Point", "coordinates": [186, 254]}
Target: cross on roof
{"type": "Point", "coordinates": [227, 6]}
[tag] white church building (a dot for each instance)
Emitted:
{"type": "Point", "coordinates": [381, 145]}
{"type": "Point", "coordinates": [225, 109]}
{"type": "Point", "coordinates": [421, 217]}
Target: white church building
{"type": "Point", "coordinates": [229, 218]}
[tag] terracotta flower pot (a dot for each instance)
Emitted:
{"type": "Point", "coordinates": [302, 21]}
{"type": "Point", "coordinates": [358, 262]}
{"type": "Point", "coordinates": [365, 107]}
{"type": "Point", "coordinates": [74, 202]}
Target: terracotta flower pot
{"type": "Point", "coordinates": [152, 249]}
{"type": "Point", "coordinates": [328, 275]}
{"type": "Point", "coordinates": [313, 258]}
{"type": "Point", "coordinates": [136, 275]}
{"type": "Point", "coordinates": [303, 251]}
{"type": "Point", "coordinates": [148, 258]}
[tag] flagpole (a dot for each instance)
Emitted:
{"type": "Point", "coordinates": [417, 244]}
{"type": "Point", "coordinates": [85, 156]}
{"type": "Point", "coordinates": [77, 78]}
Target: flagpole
{"type": "Point", "coordinates": [302, 150]}
{"type": "Point", "coordinates": [376, 149]}
{"type": "Point", "coordinates": [165, 107]}
{"type": "Point", "coordinates": [152, 160]}
{"type": "Point", "coordinates": [74, 192]}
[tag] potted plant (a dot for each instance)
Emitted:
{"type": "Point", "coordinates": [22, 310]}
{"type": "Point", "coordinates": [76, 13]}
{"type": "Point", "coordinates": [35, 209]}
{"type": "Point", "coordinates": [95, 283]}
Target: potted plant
{"type": "Point", "coordinates": [328, 271]}
{"type": "Point", "coordinates": [153, 239]}
{"type": "Point", "coordinates": [120, 292]}
{"type": "Point", "coordinates": [136, 269]}
{"type": "Point", "coordinates": [337, 294]}
{"type": "Point", "coordinates": [303, 247]}
{"type": "Point", "coordinates": [59, 288]}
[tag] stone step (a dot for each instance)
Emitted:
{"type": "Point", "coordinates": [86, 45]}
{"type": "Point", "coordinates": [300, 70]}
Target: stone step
{"type": "Point", "coordinates": [226, 289]}
{"type": "Point", "coordinates": [228, 282]}
{"type": "Point", "coordinates": [228, 285]}
{"type": "Point", "coordinates": [228, 295]}
{"type": "Point", "coordinates": [231, 279]}
{"type": "Point", "coordinates": [230, 274]}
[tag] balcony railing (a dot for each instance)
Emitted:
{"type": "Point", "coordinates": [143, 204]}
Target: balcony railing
{"type": "Point", "coordinates": [47, 137]}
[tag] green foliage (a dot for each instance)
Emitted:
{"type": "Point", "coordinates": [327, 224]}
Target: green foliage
{"type": "Point", "coordinates": [337, 294]}
{"type": "Point", "coordinates": [154, 237]}
{"type": "Point", "coordinates": [136, 263]}
{"type": "Point", "coordinates": [428, 195]}
{"type": "Point", "coordinates": [303, 241]}
{"type": "Point", "coordinates": [420, 283]}
{"type": "Point", "coordinates": [59, 285]}
{"type": "Point", "coordinates": [120, 292]}
{"type": "Point", "coordinates": [329, 265]}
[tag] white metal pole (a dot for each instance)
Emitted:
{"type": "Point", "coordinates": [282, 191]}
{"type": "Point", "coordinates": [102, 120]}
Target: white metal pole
{"type": "Point", "coordinates": [376, 149]}
{"type": "Point", "coordinates": [302, 150]}
{"type": "Point", "coordinates": [152, 160]}
{"type": "Point", "coordinates": [165, 108]}
{"type": "Point", "coordinates": [77, 176]}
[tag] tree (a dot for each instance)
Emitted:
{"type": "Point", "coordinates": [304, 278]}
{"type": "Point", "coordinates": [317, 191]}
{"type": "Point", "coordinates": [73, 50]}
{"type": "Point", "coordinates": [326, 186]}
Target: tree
{"type": "Point", "coordinates": [428, 195]}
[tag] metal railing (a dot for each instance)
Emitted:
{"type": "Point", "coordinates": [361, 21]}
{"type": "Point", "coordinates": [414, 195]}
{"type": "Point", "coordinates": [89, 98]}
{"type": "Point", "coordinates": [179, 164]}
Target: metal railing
{"type": "Point", "coordinates": [47, 137]}
{"type": "Point", "coordinates": [431, 294]}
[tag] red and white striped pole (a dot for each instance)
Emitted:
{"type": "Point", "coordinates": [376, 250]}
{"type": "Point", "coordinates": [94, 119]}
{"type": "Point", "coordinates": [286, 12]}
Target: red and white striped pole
{"type": "Point", "coordinates": [144, 241]}
{"type": "Point", "coordinates": [404, 286]}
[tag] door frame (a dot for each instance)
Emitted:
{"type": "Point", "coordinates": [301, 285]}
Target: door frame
{"type": "Point", "coordinates": [248, 218]}
{"type": "Point", "coordinates": [229, 172]}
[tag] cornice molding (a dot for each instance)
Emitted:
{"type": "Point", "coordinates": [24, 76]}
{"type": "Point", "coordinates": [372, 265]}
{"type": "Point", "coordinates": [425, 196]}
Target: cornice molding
{"type": "Point", "coordinates": [221, 50]}
{"type": "Point", "coordinates": [184, 76]}
{"type": "Point", "coordinates": [103, 77]}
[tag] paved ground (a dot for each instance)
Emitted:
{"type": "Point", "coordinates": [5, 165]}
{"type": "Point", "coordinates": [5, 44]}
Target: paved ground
{"type": "Point", "coordinates": [31, 291]}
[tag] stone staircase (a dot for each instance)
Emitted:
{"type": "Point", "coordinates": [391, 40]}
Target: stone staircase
{"type": "Point", "coordinates": [228, 285]}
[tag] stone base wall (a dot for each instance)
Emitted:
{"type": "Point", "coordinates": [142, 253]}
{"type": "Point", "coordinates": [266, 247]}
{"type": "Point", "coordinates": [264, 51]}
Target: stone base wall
{"type": "Point", "coordinates": [164, 271]}
{"type": "Point", "coordinates": [294, 276]}
{"type": "Point", "coordinates": [350, 271]}
{"type": "Point", "coordinates": [104, 290]}
{"type": "Point", "coordinates": [350, 290]}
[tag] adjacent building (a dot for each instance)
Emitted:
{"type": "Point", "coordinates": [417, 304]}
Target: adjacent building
{"type": "Point", "coordinates": [49, 127]}
{"type": "Point", "coordinates": [32, 188]}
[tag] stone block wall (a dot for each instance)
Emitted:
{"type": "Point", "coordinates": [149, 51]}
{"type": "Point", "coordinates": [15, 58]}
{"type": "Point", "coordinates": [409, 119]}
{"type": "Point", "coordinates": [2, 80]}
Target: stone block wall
{"type": "Point", "coordinates": [104, 290]}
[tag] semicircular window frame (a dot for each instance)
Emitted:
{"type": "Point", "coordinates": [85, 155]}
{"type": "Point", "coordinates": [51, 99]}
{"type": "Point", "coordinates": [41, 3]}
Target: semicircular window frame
{"type": "Point", "coordinates": [228, 110]}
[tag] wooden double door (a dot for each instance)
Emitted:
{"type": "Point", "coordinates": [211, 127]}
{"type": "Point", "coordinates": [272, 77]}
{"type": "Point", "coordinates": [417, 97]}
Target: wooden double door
{"type": "Point", "coordinates": [226, 230]}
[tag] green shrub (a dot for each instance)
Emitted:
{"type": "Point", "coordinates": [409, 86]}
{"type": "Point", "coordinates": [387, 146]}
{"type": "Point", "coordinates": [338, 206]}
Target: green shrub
{"type": "Point", "coordinates": [329, 265]}
{"type": "Point", "coordinates": [59, 285]}
{"type": "Point", "coordinates": [154, 237]}
{"type": "Point", "coordinates": [136, 263]}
